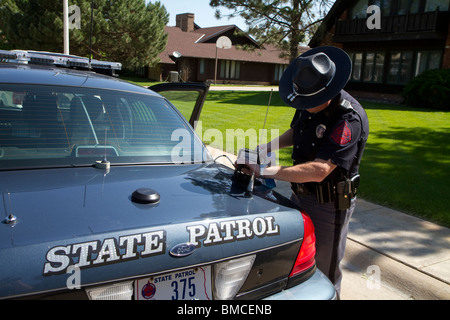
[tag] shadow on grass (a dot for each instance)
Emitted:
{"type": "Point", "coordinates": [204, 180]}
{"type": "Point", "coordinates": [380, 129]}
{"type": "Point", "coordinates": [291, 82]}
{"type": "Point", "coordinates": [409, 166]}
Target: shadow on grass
{"type": "Point", "coordinates": [369, 105]}
{"type": "Point", "coordinates": [261, 98]}
{"type": "Point", "coordinates": [412, 172]}
{"type": "Point", "coordinates": [245, 98]}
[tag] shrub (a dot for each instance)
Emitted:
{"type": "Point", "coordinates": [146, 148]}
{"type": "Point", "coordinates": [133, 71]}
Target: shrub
{"type": "Point", "coordinates": [430, 89]}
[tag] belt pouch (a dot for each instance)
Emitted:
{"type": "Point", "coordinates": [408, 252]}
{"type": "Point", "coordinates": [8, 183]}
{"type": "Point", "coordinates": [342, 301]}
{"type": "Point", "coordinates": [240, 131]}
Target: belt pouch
{"type": "Point", "coordinates": [343, 197]}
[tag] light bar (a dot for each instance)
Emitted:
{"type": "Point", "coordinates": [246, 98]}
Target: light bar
{"type": "Point", "coordinates": [50, 58]}
{"type": "Point", "coordinates": [7, 55]}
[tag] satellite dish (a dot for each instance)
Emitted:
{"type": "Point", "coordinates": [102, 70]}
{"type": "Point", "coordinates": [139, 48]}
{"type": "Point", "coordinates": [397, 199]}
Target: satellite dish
{"type": "Point", "coordinates": [176, 54]}
{"type": "Point", "coordinates": [223, 43]}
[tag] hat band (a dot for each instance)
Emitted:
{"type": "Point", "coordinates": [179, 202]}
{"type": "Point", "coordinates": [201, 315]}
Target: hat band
{"type": "Point", "coordinates": [295, 94]}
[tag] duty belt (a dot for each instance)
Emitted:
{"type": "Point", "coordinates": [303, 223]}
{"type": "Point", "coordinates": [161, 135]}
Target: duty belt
{"type": "Point", "coordinates": [324, 191]}
{"type": "Point", "coordinates": [340, 192]}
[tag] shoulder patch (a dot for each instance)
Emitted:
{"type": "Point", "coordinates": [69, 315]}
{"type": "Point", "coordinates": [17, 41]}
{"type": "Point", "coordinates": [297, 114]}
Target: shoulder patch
{"type": "Point", "coordinates": [342, 134]}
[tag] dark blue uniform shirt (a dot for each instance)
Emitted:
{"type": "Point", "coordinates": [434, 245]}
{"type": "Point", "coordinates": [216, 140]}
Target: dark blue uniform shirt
{"type": "Point", "coordinates": [338, 133]}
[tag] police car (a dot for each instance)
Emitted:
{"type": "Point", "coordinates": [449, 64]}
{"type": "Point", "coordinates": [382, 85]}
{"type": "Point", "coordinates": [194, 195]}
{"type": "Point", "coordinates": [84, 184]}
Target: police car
{"type": "Point", "coordinates": [108, 193]}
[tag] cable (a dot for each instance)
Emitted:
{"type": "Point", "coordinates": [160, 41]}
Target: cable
{"type": "Point", "coordinates": [224, 155]}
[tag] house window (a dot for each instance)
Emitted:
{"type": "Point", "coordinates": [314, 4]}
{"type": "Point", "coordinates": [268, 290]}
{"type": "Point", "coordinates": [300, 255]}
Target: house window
{"type": "Point", "coordinates": [359, 10]}
{"type": "Point", "coordinates": [384, 5]}
{"type": "Point", "coordinates": [357, 65]}
{"type": "Point", "coordinates": [230, 69]}
{"type": "Point", "coordinates": [374, 67]}
{"type": "Point", "coordinates": [432, 5]}
{"type": "Point", "coordinates": [367, 66]}
{"type": "Point", "coordinates": [427, 60]}
{"type": "Point", "coordinates": [399, 7]}
{"type": "Point", "coordinates": [407, 6]}
{"type": "Point", "coordinates": [400, 67]}
{"type": "Point", "coordinates": [415, 6]}
{"type": "Point", "coordinates": [279, 70]}
{"type": "Point", "coordinates": [202, 66]}
{"type": "Point", "coordinates": [403, 65]}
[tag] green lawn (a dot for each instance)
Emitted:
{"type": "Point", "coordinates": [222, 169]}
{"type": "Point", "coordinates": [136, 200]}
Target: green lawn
{"type": "Point", "coordinates": [407, 160]}
{"type": "Point", "coordinates": [406, 164]}
{"type": "Point", "coordinates": [140, 81]}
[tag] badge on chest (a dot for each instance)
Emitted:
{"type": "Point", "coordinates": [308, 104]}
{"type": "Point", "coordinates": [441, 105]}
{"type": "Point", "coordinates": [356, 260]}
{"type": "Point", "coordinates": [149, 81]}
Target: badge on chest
{"type": "Point", "coordinates": [320, 130]}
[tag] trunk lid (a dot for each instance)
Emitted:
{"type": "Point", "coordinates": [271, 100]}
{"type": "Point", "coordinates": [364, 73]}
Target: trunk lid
{"type": "Point", "coordinates": [86, 217]}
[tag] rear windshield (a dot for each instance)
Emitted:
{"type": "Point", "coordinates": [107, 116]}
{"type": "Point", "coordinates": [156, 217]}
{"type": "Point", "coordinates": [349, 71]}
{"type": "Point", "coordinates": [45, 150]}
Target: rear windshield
{"type": "Point", "coordinates": [42, 126]}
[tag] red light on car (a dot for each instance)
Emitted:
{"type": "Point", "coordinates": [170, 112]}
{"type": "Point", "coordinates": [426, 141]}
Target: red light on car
{"type": "Point", "coordinates": [305, 258]}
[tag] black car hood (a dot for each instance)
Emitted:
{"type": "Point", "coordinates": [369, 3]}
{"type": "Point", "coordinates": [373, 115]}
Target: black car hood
{"type": "Point", "coordinates": [59, 210]}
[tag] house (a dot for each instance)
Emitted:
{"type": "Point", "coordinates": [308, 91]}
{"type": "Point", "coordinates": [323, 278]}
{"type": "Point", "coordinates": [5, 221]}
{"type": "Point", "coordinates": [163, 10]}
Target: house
{"type": "Point", "coordinates": [191, 52]}
{"type": "Point", "coordinates": [413, 36]}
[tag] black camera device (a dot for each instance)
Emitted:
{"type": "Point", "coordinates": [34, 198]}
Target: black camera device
{"type": "Point", "coordinates": [245, 156]}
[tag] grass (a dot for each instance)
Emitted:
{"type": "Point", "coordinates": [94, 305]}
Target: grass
{"type": "Point", "coordinates": [406, 164]}
{"type": "Point", "coordinates": [244, 112]}
{"type": "Point", "coordinates": [140, 81]}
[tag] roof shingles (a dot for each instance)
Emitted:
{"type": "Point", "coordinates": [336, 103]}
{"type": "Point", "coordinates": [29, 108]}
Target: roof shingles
{"type": "Point", "coordinates": [190, 44]}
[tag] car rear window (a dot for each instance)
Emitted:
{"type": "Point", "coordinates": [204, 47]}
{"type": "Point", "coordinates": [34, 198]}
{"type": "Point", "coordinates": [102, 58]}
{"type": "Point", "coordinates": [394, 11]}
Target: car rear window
{"type": "Point", "coordinates": [43, 126]}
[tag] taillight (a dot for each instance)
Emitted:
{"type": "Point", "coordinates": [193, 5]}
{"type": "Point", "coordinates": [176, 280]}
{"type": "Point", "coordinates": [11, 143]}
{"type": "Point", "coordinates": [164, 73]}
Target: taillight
{"type": "Point", "coordinates": [305, 258]}
{"type": "Point", "coordinates": [229, 276]}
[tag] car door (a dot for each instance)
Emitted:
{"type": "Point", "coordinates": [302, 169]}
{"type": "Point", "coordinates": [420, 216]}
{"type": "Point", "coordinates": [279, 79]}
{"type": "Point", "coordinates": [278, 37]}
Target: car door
{"type": "Point", "coordinates": [187, 97]}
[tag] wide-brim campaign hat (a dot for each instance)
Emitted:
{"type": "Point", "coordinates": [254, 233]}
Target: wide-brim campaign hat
{"type": "Point", "coordinates": [315, 77]}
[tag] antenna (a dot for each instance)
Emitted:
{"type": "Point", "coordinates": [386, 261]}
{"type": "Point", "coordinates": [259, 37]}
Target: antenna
{"type": "Point", "coordinates": [90, 35]}
{"type": "Point", "coordinates": [265, 120]}
{"type": "Point", "coordinates": [251, 184]}
{"type": "Point", "coordinates": [104, 156]}
{"type": "Point", "coordinates": [104, 164]}
{"type": "Point", "coordinates": [11, 218]}
{"type": "Point", "coordinates": [250, 155]}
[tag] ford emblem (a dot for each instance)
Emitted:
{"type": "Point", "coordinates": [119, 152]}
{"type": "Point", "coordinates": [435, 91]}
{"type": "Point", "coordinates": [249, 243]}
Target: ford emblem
{"type": "Point", "coordinates": [182, 250]}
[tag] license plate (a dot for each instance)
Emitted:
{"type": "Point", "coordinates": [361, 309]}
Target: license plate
{"type": "Point", "coordinates": [189, 284]}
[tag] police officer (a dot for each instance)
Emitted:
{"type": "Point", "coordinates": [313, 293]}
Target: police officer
{"type": "Point", "coordinates": [328, 134]}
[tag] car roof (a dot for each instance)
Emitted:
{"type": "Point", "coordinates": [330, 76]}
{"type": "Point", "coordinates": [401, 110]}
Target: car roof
{"type": "Point", "coordinates": [15, 73]}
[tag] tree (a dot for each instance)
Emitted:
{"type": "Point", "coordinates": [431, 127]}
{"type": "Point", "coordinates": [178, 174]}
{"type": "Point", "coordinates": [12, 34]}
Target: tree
{"type": "Point", "coordinates": [285, 23]}
{"type": "Point", "coordinates": [32, 24]}
{"type": "Point", "coordinates": [127, 31]}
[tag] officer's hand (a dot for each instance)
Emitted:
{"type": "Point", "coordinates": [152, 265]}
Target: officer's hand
{"type": "Point", "coordinates": [249, 169]}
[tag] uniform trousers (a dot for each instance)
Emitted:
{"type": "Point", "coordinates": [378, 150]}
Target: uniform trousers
{"type": "Point", "coordinates": [331, 229]}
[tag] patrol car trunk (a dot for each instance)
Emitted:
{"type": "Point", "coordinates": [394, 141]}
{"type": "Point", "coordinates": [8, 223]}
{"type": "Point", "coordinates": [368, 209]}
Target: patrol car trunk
{"type": "Point", "coordinates": [81, 228]}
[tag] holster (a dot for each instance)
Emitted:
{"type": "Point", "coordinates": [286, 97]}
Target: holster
{"type": "Point", "coordinates": [346, 190]}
